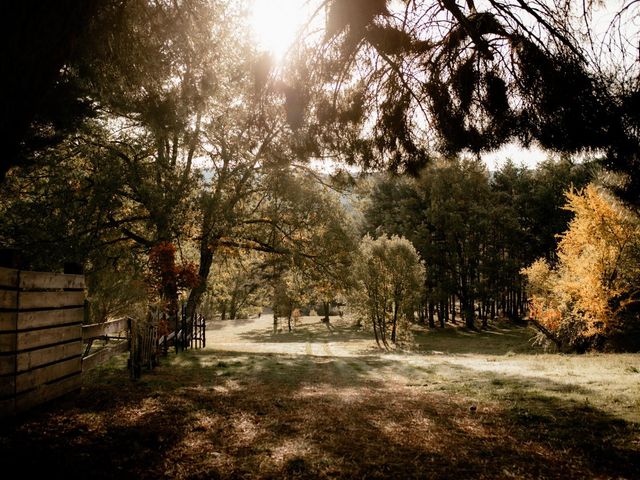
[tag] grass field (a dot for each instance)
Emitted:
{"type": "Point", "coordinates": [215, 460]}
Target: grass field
{"type": "Point", "coordinates": [321, 403]}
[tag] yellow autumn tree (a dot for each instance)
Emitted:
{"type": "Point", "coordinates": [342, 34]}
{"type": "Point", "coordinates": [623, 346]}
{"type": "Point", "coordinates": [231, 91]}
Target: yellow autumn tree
{"type": "Point", "coordinates": [592, 294]}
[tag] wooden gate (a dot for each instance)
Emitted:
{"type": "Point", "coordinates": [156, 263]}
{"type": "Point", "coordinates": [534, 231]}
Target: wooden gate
{"type": "Point", "coordinates": [144, 347]}
{"type": "Point", "coordinates": [188, 332]}
{"type": "Point", "coordinates": [114, 337]}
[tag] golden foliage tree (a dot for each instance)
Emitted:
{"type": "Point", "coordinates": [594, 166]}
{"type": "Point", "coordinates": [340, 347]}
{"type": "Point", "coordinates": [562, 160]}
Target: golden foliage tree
{"type": "Point", "coordinates": [591, 295]}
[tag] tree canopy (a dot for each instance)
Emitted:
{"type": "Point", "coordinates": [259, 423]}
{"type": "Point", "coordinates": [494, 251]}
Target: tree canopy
{"type": "Point", "coordinates": [590, 297]}
{"type": "Point", "coordinates": [412, 78]}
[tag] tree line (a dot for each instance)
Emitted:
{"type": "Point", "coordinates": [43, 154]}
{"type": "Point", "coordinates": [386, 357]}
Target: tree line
{"type": "Point", "coordinates": [475, 230]}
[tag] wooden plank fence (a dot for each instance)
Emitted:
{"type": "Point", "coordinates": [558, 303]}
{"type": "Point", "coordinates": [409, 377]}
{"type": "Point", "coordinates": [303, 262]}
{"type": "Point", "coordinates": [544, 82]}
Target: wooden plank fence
{"type": "Point", "coordinates": [41, 318]}
{"type": "Point", "coordinates": [45, 348]}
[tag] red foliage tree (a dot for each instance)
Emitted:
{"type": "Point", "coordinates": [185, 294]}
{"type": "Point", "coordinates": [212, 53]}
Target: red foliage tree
{"type": "Point", "coordinates": [167, 278]}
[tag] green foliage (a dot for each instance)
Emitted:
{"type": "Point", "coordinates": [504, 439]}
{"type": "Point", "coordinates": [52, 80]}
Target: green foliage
{"type": "Point", "coordinates": [388, 276]}
{"type": "Point", "coordinates": [116, 285]}
{"type": "Point", "coordinates": [475, 231]}
{"type": "Point", "coordinates": [162, 125]}
{"type": "Point", "coordinates": [235, 286]}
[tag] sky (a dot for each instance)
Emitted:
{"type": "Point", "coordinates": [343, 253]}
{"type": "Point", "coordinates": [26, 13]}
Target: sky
{"type": "Point", "coordinates": [529, 157]}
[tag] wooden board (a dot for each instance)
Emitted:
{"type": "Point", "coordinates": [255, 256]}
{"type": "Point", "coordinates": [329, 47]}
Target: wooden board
{"type": "Point", "coordinates": [47, 337]}
{"type": "Point", "coordinates": [9, 299]}
{"type": "Point", "coordinates": [51, 280]}
{"type": "Point", "coordinates": [111, 327]}
{"type": "Point", "coordinates": [40, 376]}
{"type": "Point", "coordinates": [30, 300]}
{"type": "Point", "coordinates": [40, 337]}
{"type": "Point", "coordinates": [7, 365]}
{"type": "Point", "coordinates": [8, 321]}
{"type": "Point", "coordinates": [49, 318]}
{"type": "Point", "coordinates": [42, 356]}
{"type": "Point", "coordinates": [8, 277]}
{"type": "Point", "coordinates": [47, 392]}
{"type": "Point", "coordinates": [8, 342]}
{"type": "Point", "coordinates": [103, 355]}
{"type": "Point", "coordinates": [7, 386]}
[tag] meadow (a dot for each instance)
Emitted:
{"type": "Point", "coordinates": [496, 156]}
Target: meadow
{"type": "Point", "coordinates": [327, 403]}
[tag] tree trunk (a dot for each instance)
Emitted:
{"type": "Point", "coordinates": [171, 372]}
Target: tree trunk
{"type": "Point", "coordinates": [375, 331]}
{"type": "Point", "coordinates": [453, 309]}
{"type": "Point", "coordinates": [275, 319]}
{"type": "Point", "coordinates": [431, 311]}
{"type": "Point", "coordinates": [446, 310]}
{"type": "Point", "coordinates": [484, 309]}
{"type": "Point", "coordinates": [233, 307]}
{"type": "Point", "coordinates": [469, 313]}
{"type": "Point", "coordinates": [326, 310]}
{"type": "Point", "coordinates": [395, 323]}
{"type": "Point", "coordinates": [195, 296]}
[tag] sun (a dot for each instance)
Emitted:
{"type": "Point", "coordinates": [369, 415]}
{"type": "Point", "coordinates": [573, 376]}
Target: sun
{"type": "Point", "coordinates": [275, 24]}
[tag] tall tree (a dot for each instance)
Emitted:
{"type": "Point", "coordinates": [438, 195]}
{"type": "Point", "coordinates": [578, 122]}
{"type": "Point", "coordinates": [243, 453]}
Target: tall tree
{"type": "Point", "coordinates": [476, 231]}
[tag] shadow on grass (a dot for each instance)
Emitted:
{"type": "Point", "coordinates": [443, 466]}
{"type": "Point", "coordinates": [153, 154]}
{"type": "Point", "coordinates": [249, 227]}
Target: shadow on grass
{"type": "Point", "coordinates": [503, 339]}
{"type": "Point", "coordinates": [495, 340]}
{"type": "Point", "coordinates": [245, 415]}
{"type": "Point", "coordinates": [309, 332]}
{"type": "Point", "coordinates": [220, 324]}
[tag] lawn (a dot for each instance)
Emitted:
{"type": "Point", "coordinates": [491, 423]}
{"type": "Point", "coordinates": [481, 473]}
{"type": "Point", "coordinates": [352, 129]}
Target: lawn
{"type": "Point", "coordinates": [326, 403]}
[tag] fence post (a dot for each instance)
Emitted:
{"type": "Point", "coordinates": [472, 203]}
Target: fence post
{"type": "Point", "coordinates": [204, 329]}
{"type": "Point", "coordinates": [136, 350]}
{"type": "Point", "coordinates": [175, 337]}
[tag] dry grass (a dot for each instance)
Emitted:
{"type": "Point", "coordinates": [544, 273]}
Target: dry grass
{"type": "Point", "coordinates": [321, 404]}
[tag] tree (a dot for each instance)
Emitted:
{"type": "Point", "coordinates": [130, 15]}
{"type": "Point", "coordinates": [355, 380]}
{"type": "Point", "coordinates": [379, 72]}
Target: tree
{"type": "Point", "coordinates": [309, 239]}
{"type": "Point", "coordinates": [169, 83]}
{"type": "Point", "coordinates": [446, 215]}
{"type": "Point", "coordinates": [41, 103]}
{"type": "Point", "coordinates": [591, 294]}
{"type": "Point", "coordinates": [388, 275]}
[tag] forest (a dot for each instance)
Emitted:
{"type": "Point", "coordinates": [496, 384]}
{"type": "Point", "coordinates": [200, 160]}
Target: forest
{"type": "Point", "coordinates": [333, 189]}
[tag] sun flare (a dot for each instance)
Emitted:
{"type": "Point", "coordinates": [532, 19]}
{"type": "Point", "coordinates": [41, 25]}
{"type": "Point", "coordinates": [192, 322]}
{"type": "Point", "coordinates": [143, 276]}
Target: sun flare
{"type": "Point", "coordinates": [275, 24]}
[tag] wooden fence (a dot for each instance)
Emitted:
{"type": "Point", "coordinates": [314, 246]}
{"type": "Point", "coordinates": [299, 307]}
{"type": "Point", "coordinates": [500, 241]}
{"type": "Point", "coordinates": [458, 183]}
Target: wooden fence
{"type": "Point", "coordinates": [41, 318]}
{"type": "Point", "coordinates": [115, 337]}
{"type": "Point", "coordinates": [144, 348]}
{"type": "Point", "coordinates": [189, 332]}
{"type": "Point", "coordinates": [45, 348]}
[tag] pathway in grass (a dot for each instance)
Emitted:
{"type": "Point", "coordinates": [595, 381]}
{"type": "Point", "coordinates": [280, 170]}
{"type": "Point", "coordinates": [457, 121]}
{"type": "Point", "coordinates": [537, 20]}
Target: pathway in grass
{"type": "Point", "coordinates": [319, 404]}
